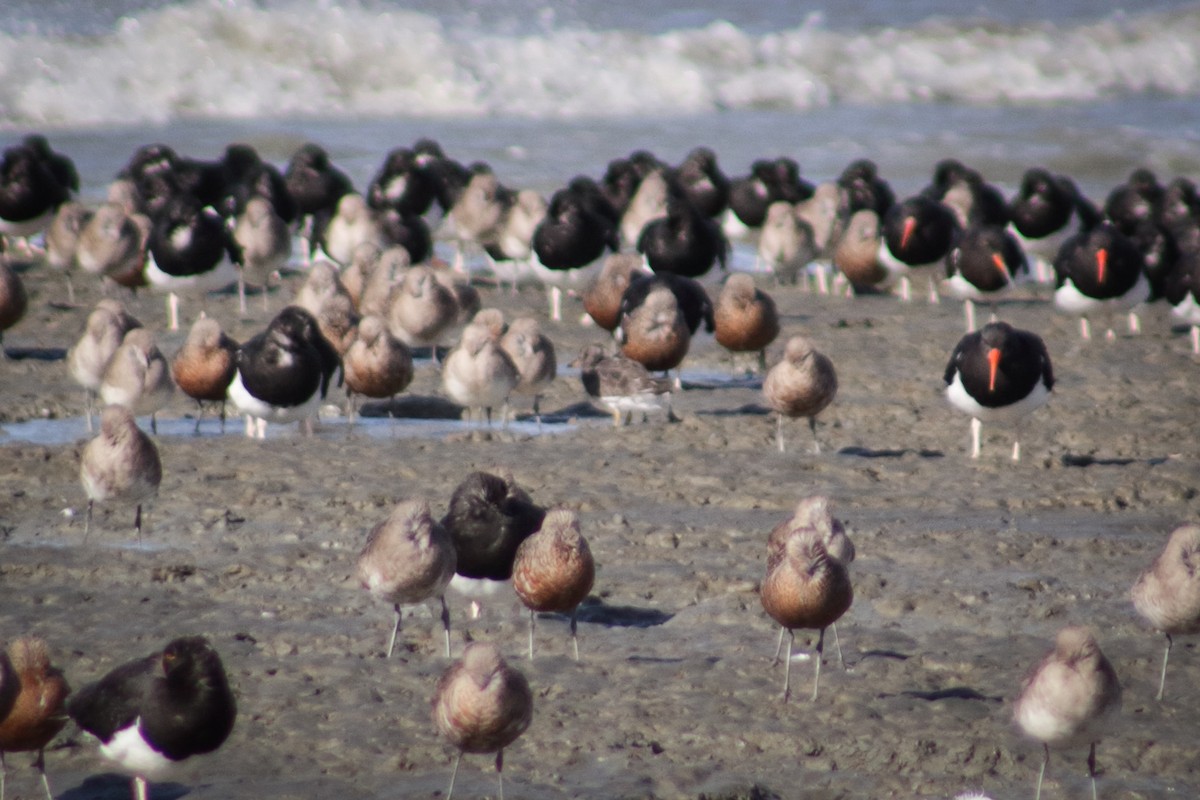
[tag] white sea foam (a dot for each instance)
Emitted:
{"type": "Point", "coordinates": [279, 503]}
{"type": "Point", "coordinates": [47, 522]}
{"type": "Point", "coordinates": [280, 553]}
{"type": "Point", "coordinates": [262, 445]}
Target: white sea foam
{"type": "Point", "coordinates": [239, 59]}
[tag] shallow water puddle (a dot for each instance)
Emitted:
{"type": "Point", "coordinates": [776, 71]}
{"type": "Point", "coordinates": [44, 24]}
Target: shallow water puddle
{"type": "Point", "coordinates": [74, 429]}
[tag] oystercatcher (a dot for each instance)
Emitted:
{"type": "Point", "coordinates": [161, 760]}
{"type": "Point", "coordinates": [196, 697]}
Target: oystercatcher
{"type": "Point", "coordinates": [998, 373]}
{"type": "Point", "coordinates": [1099, 269]}
{"type": "Point", "coordinates": [156, 711]}
{"type": "Point", "coordinates": [985, 264]}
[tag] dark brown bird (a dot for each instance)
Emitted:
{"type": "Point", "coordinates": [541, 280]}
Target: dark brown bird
{"type": "Point", "coordinates": [1167, 594]}
{"type": "Point", "coordinates": [37, 715]}
{"type": "Point", "coordinates": [805, 588]}
{"type": "Point", "coordinates": [554, 570]}
{"type": "Point", "coordinates": [745, 318]}
{"type": "Point", "coordinates": [13, 300]}
{"type": "Point", "coordinates": [800, 385]}
{"type": "Point", "coordinates": [481, 706]}
{"type": "Point", "coordinates": [205, 365]}
{"type": "Point", "coordinates": [1068, 698]}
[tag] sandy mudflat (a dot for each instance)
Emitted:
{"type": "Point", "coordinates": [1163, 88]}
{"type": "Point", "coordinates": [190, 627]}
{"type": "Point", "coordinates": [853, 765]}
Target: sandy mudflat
{"type": "Point", "coordinates": [965, 571]}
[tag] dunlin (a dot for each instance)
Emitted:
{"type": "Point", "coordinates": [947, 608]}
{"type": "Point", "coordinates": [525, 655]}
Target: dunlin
{"type": "Point", "coordinates": [408, 559]}
{"type": "Point", "coordinates": [1069, 698]}
{"type": "Point", "coordinates": [88, 358]}
{"type": "Point", "coordinates": [112, 245]}
{"type": "Point", "coordinates": [481, 706]}
{"type": "Point", "coordinates": [138, 377]}
{"type": "Point", "coordinates": [533, 355]}
{"type": "Point", "coordinates": [353, 223]}
{"type": "Point", "coordinates": [62, 240]}
{"type": "Point", "coordinates": [786, 244]}
{"type": "Point", "coordinates": [205, 365]}
{"type": "Point", "coordinates": [478, 373]}
{"type": "Point", "coordinates": [37, 715]}
{"type": "Point", "coordinates": [322, 284]}
{"type": "Point", "coordinates": [554, 571]}
{"type": "Point", "coordinates": [121, 463]}
{"type": "Point", "coordinates": [802, 384]}
{"type": "Point", "coordinates": [154, 712]}
{"type": "Point", "coordinates": [805, 587]}
{"type": "Point", "coordinates": [264, 244]}
{"type": "Point", "coordinates": [422, 309]}
{"type": "Point", "coordinates": [1167, 594]}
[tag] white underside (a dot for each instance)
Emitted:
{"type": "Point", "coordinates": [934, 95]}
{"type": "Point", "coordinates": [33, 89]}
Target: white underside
{"type": "Point", "coordinates": [128, 750]}
{"type": "Point", "coordinates": [636, 402]}
{"type": "Point", "coordinates": [28, 227]}
{"type": "Point", "coordinates": [959, 287]}
{"type": "Point", "coordinates": [1068, 298]}
{"type": "Point", "coordinates": [481, 588]}
{"type": "Point", "coordinates": [1187, 310]}
{"type": "Point", "coordinates": [960, 399]}
{"type": "Point", "coordinates": [565, 277]}
{"type": "Point", "coordinates": [250, 405]}
{"type": "Point", "coordinates": [221, 275]}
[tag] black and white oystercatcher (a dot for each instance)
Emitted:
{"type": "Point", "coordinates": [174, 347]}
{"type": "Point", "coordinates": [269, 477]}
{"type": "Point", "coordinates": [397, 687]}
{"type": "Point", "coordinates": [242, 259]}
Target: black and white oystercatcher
{"type": "Point", "coordinates": [998, 373]}
{"type": "Point", "coordinates": [1099, 269]}
{"type": "Point", "coordinates": [156, 711]}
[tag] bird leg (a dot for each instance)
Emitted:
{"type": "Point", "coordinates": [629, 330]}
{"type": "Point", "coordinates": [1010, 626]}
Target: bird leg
{"type": "Point", "coordinates": [787, 667]}
{"type": "Point", "coordinates": [817, 674]}
{"type": "Point", "coordinates": [532, 623]}
{"type": "Point", "coordinates": [1085, 330]}
{"type": "Point", "coordinates": [1037, 795]}
{"type": "Point", "coordinates": [137, 522]}
{"type": "Point", "coordinates": [1091, 762]}
{"type": "Point", "coordinates": [241, 293]}
{"type": "Point", "coordinates": [969, 309]}
{"type": "Point", "coordinates": [40, 766]}
{"type": "Point", "coordinates": [812, 426]}
{"type": "Point", "coordinates": [574, 630]}
{"type": "Point", "coordinates": [87, 525]}
{"type": "Point", "coordinates": [395, 630]}
{"type": "Point", "coordinates": [141, 791]}
{"type": "Point", "coordinates": [446, 623]}
{"type": "Point", "coordinates": [837, 642]}
{"type": "Point", "coordinates": [453, 775]}
{"type": "Point", "coordinates": [779, 432]}
{"type": "Point", "coordinates": [1194, 334]}
{"type": "Point", "coordinates": [1162, 681]}
{"type": "Point", "coordinates": [778, 647]}
{"type": "Point", "coordinates": [173, 310]}
{"type": "Point", "coordinates": [199, 416]}
{"type": "Point", "coordinates": [500, 773]}
{"type": "Point", "coordinates": [976, 429]}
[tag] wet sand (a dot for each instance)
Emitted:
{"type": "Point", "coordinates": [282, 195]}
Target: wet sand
{"type": "Point", "coordinates": [965, 570]}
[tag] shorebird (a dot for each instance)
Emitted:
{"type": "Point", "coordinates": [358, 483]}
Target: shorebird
{"type": "Point", "coordinates": [315, 184]}
{"type": "Point", "coordinates": [985, 264]}
{"type": "Point", "coordinates": [138, 377]}
{"type": "Point", "coordinates": [654, 332]}
{"type": "Point", "coordinates": [533, 355]}
{"type": "Point", "coordinates": [745, 318]}
{"type": "Point", "coordinates": [998, 373]}
{"type": "Point", "coordinates": [408, 558]}
{"type": "Point", "coordinates": [694, 302]}
{"type": "Point", "coordinates": [156, 711]}
{"type": "Point", "coordinates": [488, 518]}
{"type": "Point", "coordinates": [264, 244]}
{"type": "Point", "coordinates": [37, 715]}
{"type": "Point", "coordinates": [121, 463]}
{"type": "Point", "coordinates": [812, 513]}
{"type": "Point", "coordinates": [205, 365]}
{"type": "Point", "coordinates": [13, 300]}
{"type": "Point", "coordinates": [602, 297]}
{"type": "Point", "coordinates": [786, 243]}
{"type": "Point", "coordinates": [1099, 269]}
{"type": "Point", "coordinates": [321, 285]}
{"type": "Point", "coordinates": [684, 241]}
{"type": "Point", "coordinates": [353, 223]}
{"type": "Point", "coordinates": [511, 249]}
{"type": "Point", "coordinates": [1069, 698]}
{"type": "Point", "coordinates": [805, 587]}
{"type": "Point", "coordinates": [802, 384]}
{"type": "Point", "coordinates": [112, 245]}
{"type": "Point", "coordinates": [478, 373]}
{"type": "Point", "coordinates": [571, 239]}
{"type": "Point", "coordinates": [422, 309]}
{"type": "Point", "coordinates": [701, 179]}
{"type": "Point", "coordinates": [481, 706]}
{"type": "Point", "coordinates": [364, 262]}
{"type": "Point", "coordinates": [648, 203]}
{"type": "Point", "coordinates": [1167, 594]}
{"type": "Point", "coordinates": [1046, 209]}
{"type": "Point", "coordinates": [189, 250]}
{"type": "Point", "coordinates": [377, 364]}
{"type": "Point", "coordinates": [283, 373]}
{"type": "Point", "coordinates": [30, 192]}
{"type": "Point", "coordinates": [621, 384]}
{"type": "Point", "coordinates": [856, 253]}
{"type": "Point", "coordinates": [915, 233]}
{"type": "Point", "coordinates": [401, 184]}
{"type": "Point", "coordinates": [554, 570]}
{"type": "Point", "coordinates": [88, 358]}
{"type": "Point", "coordinates": [62, 240]}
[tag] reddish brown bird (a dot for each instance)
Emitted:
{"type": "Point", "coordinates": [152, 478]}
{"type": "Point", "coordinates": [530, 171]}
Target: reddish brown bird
{"type": "Point", "coordinates": [377, 364]}
{"type": "Point", "coordinates": [481, 706]}
{"type": "Point", "coordinates": [554, 570]}
{"type": "Point", "coordinates": [745, 318]}
{"type": "Point", "coordinates": [602, 298]}
{"type": "Point", "coordinates": [805, 588]}
{"type": "Point", "coordinates": [37, 715]}
{"type": "Point", "coordinates": [204, 367]}
{"type": "Point", "coordinates": [655, 333]}
{"type": "Point", "coordinates": [13, 299]}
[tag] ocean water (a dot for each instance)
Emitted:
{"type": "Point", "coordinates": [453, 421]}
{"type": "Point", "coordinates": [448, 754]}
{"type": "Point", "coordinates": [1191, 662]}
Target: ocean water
{"type": "Point", "coordinates": [547, 91]}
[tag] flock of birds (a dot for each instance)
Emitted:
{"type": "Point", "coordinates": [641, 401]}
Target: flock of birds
{"type": "Point", "coordinates": [635, 244]}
